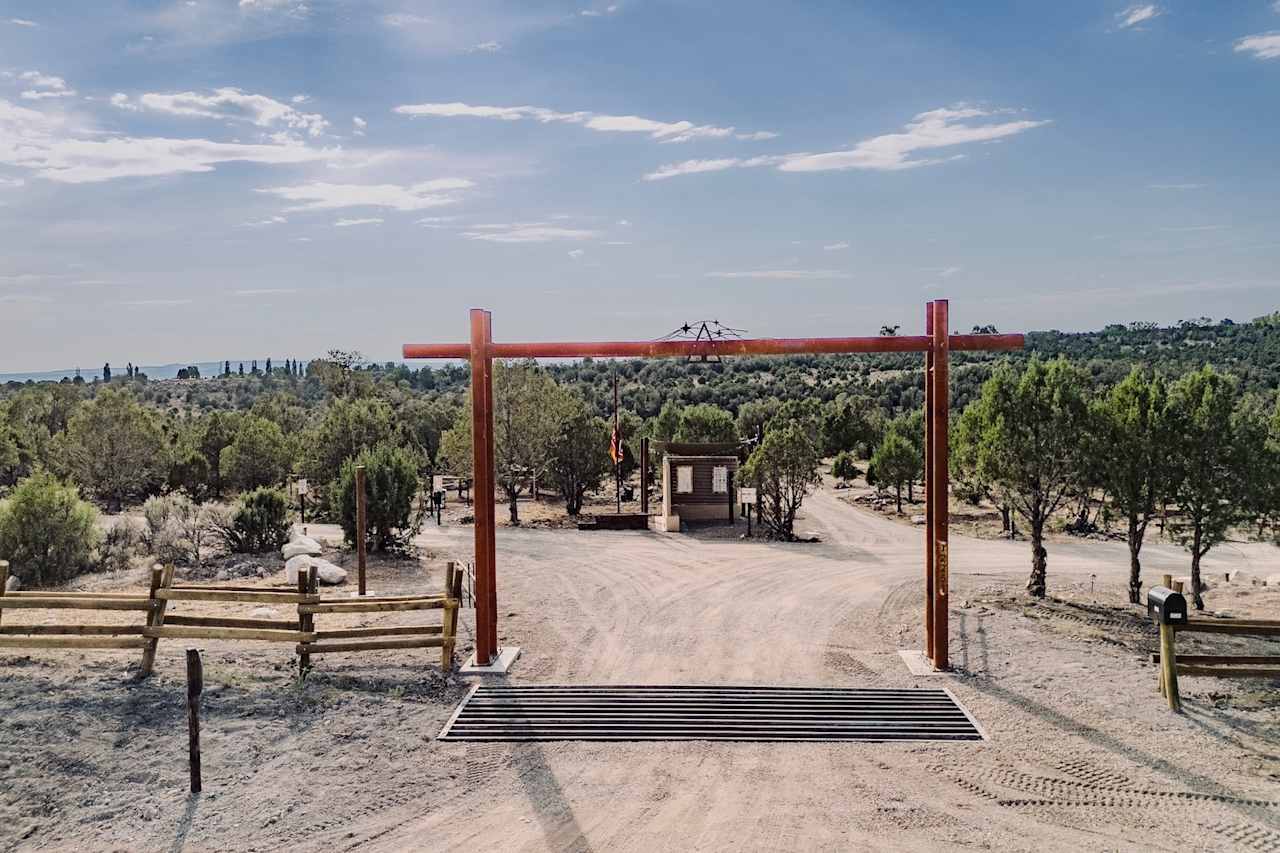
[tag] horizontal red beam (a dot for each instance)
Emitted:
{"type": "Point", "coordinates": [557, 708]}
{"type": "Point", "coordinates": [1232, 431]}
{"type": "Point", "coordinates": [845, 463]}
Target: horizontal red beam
{"type": "Point", "coordinates": [748, 346]}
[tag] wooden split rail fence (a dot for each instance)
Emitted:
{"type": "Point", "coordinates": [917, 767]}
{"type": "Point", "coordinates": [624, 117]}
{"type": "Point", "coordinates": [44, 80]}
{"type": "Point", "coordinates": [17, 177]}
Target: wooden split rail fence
{"type": "Point", "coordinates": [159, 623]}
{"type": "Point", "coordinates": [1173, 664]}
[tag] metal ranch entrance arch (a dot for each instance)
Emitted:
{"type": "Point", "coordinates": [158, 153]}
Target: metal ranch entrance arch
{"type": "Point", "coordinates": [936, 344]}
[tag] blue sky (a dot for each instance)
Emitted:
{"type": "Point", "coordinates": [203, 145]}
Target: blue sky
{"type": "Point", "coordinates": [206, 179]}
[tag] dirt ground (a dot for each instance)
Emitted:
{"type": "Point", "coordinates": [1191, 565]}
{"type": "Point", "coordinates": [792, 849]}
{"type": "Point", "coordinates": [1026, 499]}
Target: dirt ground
{"type": "Point", "coordinates": [1081, 751]}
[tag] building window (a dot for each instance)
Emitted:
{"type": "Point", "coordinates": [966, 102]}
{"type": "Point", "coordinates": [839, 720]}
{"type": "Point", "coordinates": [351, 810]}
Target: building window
{"type": "Point", "coordinates": [684, 479]}
{"type": "Point", "coordinates": [720, 480]}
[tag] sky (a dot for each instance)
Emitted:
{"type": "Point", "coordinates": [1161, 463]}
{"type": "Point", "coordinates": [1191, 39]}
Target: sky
{"type": "Point", "coordinates": [193, 180]}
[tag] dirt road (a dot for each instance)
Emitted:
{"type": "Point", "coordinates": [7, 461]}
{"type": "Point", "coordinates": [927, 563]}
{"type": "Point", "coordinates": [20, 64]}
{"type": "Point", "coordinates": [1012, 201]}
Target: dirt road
{"type": "Point", "coordinates": [1081, 753]}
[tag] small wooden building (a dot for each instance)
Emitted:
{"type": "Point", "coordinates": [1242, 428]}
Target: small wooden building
{"type": "Point", "coordinates": [697, 484]}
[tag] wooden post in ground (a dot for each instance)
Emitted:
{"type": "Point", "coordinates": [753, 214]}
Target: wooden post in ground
{"type": "Point", "coordinates": [644, 476]}
{"type": "Point", "coordinates": [453, 589]}
{"type": "Point", "coordinates": [941, 478]}
{"type": "Point", "coordinates": [928, 487]}
{"type": "Point", "coordinates": [161, 578]}
{"type": "Point", "coordinates": [1169, 668]}
{"type": "Point", "coordinates": [361, 526]}
{"type": "Point", "coordinates": [307, 585]}
{"type": "Point", "coordinates": [195, 686]}
{"type": "Point", "coordinates": [482, 460]}
{"type": "Point", "coordinates": [4, 579]}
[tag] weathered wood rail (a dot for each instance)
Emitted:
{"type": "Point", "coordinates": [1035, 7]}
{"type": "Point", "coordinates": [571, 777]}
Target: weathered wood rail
{"type": "Point", "coordinates": [159, 623]}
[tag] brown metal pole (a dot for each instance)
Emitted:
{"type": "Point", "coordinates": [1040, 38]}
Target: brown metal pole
{"type": "Point", "coordinates": [490, 534]}
{"type": "Point", "coordinates": [928, 487]}
{"type": "Point", "coordinates": [361, 526]}
{"type": "Point", "coordinates": [482, 483]}
{"type": "Point", "coordinates": [617, 464]}
{"type": "Point", "coordinates": [644, 475]}
{"type": "Point", "coordinates": [941, 480]}
{"type": "Point", "coordinates": [704, 348]}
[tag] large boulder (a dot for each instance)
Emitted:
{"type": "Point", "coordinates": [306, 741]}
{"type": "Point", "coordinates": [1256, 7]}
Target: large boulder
{"type": "Point", "coordinates": [301, 546]}
{"type": "Point", "coordinates": [12, 584]}
{"type": "Point", "coordinates": [326, 572]}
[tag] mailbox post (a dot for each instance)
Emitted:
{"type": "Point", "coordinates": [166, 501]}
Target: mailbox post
{"type": "Point", "coordinates": [1168, 609]}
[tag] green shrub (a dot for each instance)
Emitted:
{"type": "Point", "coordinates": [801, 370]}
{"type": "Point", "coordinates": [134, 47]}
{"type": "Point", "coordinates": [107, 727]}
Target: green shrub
{"type": "Point", "coordinates": [176, 528]}
{"type": "Point", "coordinates": [46, 532]}
{"type": "Point", "coordinates": [259, 522]}
{"type": "Point", "coordinates": [844, 467]}
{"type": "Point", "coordinates": [121, 544]}
{"type": "Point", "coordinates": [391, 483]}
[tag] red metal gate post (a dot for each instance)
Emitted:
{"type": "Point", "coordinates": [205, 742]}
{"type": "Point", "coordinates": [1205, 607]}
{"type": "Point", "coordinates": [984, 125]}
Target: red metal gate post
{"type": "Point", "coordinates": [938, 458]}
{"type": "Point", "coordinates": [928, 485]}
{"type": "Point", "coordinates": [486, 600]}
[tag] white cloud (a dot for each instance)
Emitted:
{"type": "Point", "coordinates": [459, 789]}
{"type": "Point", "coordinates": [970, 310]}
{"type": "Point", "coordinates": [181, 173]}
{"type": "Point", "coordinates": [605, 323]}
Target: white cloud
{"type": "Point", "coordinates": [358, 125]}
{"type": "Point", "coordinates": [1176, 186]}
{"type": "Point", "coordinates": [487, 47]}
{"type": "Point", "coordinates": [325, 196]}
{"type": "Point", "coordinates": [662, 131]}
{"type": "Point", "coordinates": [941, 128]}
{"type": "Point", "coordinates": [618, 243]}
{"type": "Point", "coordinates": [368, 220]}
{"type": "Point", "coordinates": [576, 253]}
{"type": "Point", "coordinates": [44, 86]}
{"type": "Point", "coordinates": [262, 223]}
{"type": "Point", "coordinates": [527, 232]}
{"type": "Point", "coordinates": [1262, 45]}
{"type": "Point", "coordinates": [157, 303]}
{"type": "Point", "coordinates": [1137, 14]}
{"type": "Point", "coordinates": [835, 247]}
{"type": "Point", "coordinates": [400, 20]}
{"type": "Point", "coordinates": [24, 297]}
{"type": "Point", "coordinates": [23, 22]}
{"type": "Point", "coordinates": [436, 221]}
{"type": "Point", "coordinates": [299, 99]}
{"type": "Point", "coordinates": [12, 182]}
{"type": "Point", "coordinates": [625, 223]}
{"type": "Point", "coordinates": [931, 130]}
{"type": "Point", "coordinates": [947, 272]}
{"type": "Point", "coordinates": [46, 145]}
{"type": "Point", "coordinates": [694, 167]}
{"type": "Point", "coordinates": [599, 13]}
{"type": "Point", "coordinates": [783, 275]}
{"type": "Point", "coordinates": [265, 291]}
{"type": "Point", "coordinates": [230, 104]}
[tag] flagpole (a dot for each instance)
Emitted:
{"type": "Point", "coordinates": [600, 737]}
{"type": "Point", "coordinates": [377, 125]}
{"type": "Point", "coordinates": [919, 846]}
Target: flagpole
{"type": "Point", "coordinates": [617, 434]}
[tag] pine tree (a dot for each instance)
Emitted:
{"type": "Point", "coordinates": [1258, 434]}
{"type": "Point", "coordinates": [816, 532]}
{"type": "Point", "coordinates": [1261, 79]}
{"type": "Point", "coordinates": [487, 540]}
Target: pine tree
{"type": "Point", "coordinates": [242, 368]}
{"type": "Point", "coordinates": [226, 368]}
{"type": "Point", "coordinates": [268, 367]}
{"type": "Point", "coordinates": [106, 372]}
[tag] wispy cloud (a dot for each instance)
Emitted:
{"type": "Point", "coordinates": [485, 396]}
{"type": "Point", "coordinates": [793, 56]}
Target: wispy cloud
{"type": "Point", "coordinates": [262, 223]}
{"type": "Point", "coordinates": [368, 220]}
{"type": "Point", "coordinates": [265, 291]}
{"type": "Point", "coordinates": [49, 146]}
{"type": "Point", "coordinates": [325, 196]}
{"type": "Point", "coordinates": [1137, 14]}
{"type": "Point", "coordinates": [44, 86]}
{"type": "Point", "coordinates": [597, 13]}
{"type": "Point", "coordinates": [156, 303]}
{"type": "Point", "coordinates": [1262, 45]}
{"type": "Point", "coordinates": [941, 128]}
{"type": "Point", "coordinates": [487, 47]}
{"type": "Point", "coordinates": [783, 275]}
{"type": "Point", "coordinates": [228, 104]}
{"type": "Point", "coordinates": [928, 131]}
{"type": "Point", "coordinates": [527, 232]}
{"type": "Point", "coordinates": [1175, 186]}
{"type": "Point", "coordinates": [400, 20]}
{"type": "Point", "coordinates": [662, 131]}
{"type": "Point", "coordinates": [23, 22]}
{"type": "Point", "coordinates": [1190, 228]}
{"type": "Point", "coordinates": [836, 247]}
{"type": "Point", "coordinates": [576, 253]}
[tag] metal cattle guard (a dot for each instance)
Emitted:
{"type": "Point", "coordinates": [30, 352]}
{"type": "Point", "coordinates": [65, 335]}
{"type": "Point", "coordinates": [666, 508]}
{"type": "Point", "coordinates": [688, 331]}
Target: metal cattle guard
{"type": "Point", "coordinates": [936, 344]}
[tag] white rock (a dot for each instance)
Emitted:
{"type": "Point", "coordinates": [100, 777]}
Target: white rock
{"type": "Point", "coordinates": [262, 613]}
{"type": "Point", "coordinates": [302, 545]}
{"type": "Point", "coordinates": [295, 565]}
{"type": "Point", "coordinates": [329, 573]}
{"type": "Point", "coordinates": [1272, 580]}
{"type": "Point", "coordinates": [12, 584]}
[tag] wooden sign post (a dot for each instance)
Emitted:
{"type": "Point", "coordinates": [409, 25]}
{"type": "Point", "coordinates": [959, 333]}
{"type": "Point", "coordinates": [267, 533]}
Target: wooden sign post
{"type": "Point", "coordinates": [747, 497]}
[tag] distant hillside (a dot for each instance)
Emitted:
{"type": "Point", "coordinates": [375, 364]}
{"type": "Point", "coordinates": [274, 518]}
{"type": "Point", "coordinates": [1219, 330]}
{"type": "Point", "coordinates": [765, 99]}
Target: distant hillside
{"type": "Point", "coordinates": [154, 371]}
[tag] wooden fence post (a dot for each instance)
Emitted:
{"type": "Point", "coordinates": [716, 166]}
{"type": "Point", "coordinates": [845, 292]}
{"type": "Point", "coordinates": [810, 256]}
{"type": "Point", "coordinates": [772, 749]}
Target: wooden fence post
{"type": "Point", "coordinates": [361, 525]}
{"type": "Point", "coordinates": [453, 589]}
{"type": "Point", "coordinates": [4, 579]}
{"type": "Point", "coordinates": [1169, 667]}
{"type": "Point", "coordinates": [161, 578]}
{"type": "Point", "coordinates": [307, 585]}
{"type": "Point", "coordinates": [195, 686]}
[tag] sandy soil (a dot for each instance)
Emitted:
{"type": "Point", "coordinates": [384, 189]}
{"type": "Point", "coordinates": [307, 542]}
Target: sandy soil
{"type": "Point", "coordinates": [1081, 754]}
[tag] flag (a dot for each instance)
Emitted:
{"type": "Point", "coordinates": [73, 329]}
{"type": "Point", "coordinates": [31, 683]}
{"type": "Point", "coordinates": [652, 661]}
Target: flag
{"type": "Point", "coordinates": [615, 446]}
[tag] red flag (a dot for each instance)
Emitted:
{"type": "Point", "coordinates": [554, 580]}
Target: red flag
{"type": "Point", "coordinates": [615, 446]}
